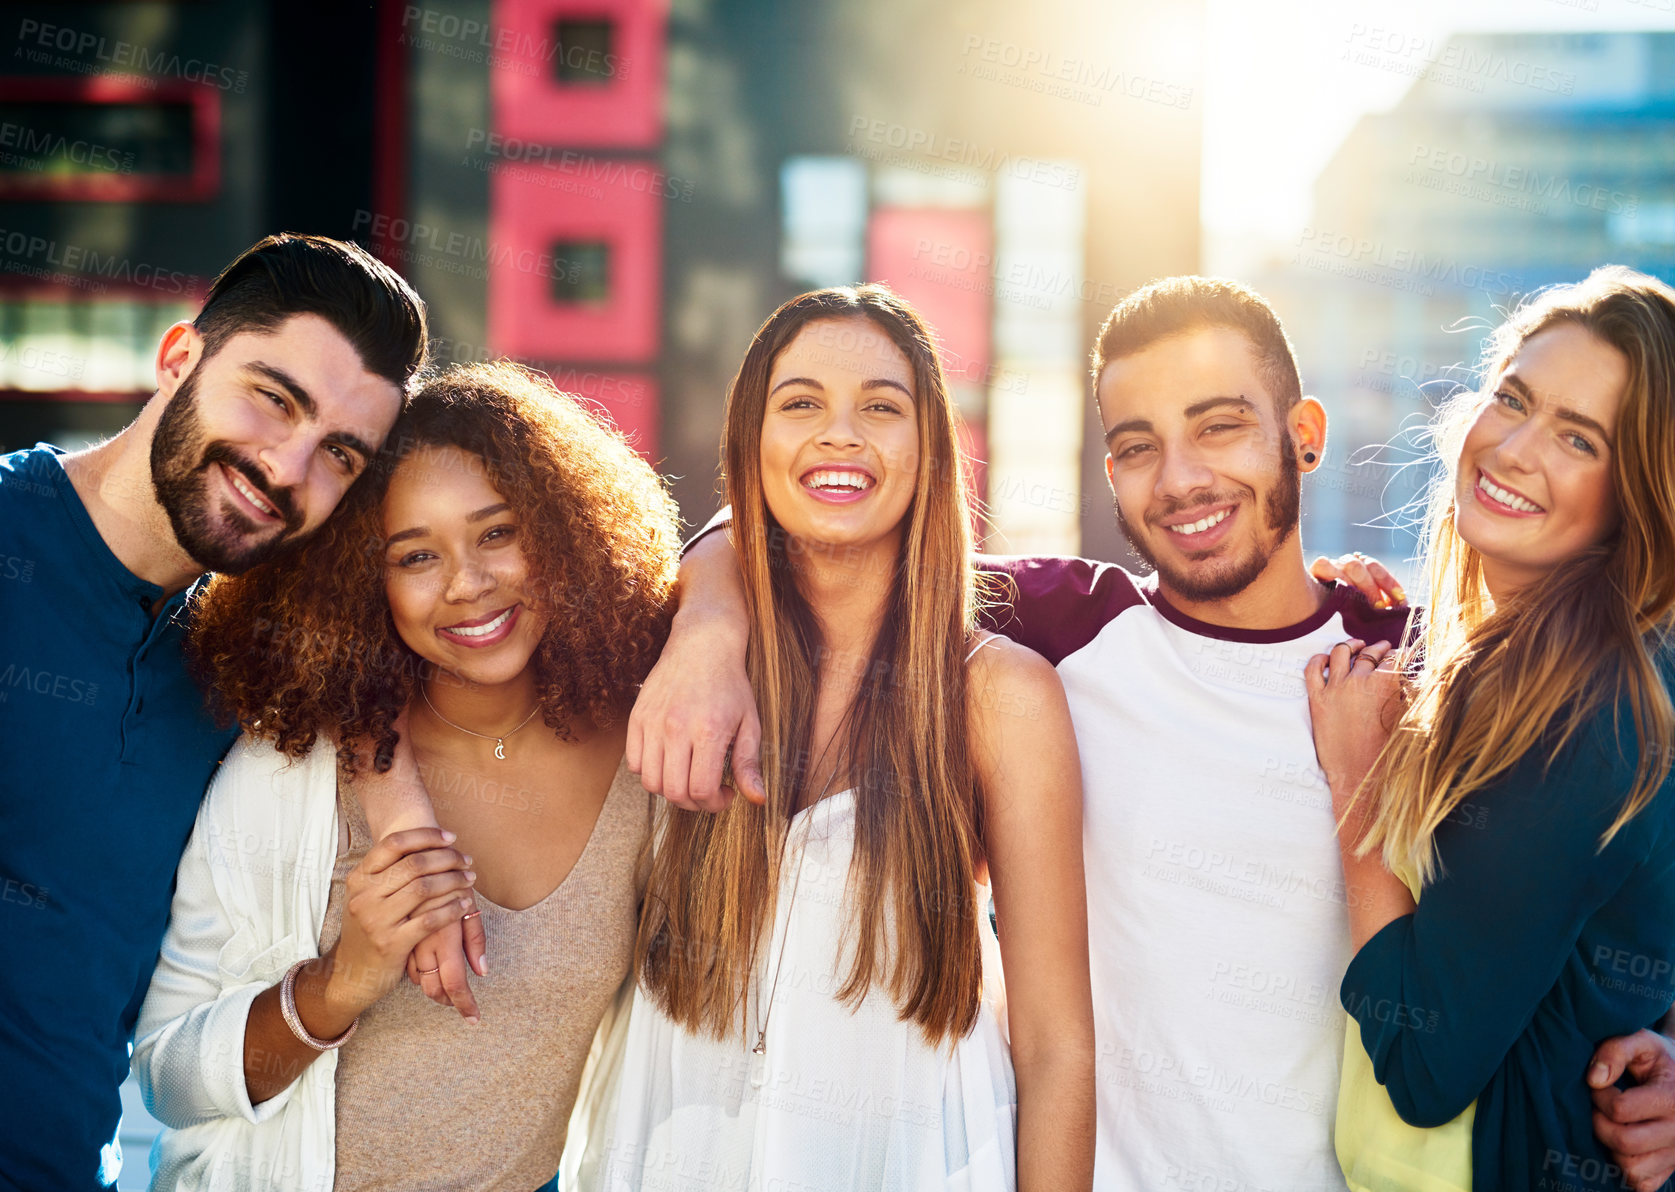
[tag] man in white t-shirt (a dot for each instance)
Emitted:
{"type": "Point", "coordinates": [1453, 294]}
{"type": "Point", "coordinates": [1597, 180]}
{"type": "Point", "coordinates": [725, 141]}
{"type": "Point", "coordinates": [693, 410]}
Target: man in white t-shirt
{"type": "Point", "coordinates": [1215, 892]}
{"type": "Point", "coordinates": [1216, 900]}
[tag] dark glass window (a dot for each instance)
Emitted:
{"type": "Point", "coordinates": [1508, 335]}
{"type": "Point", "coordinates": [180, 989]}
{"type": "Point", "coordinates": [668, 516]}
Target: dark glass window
{"type": "Point", "coordinates": [67, 139]}
{"type": "Point", "coordinates": [581, 273]}
{"type": "Point", "coordinates": [584, 52]}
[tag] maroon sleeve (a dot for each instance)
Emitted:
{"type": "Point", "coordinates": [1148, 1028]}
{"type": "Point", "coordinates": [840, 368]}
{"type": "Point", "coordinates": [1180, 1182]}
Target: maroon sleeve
{"type": "Point", "coordinates": [1362, 620]}
{"type": "Point", "coordinates": [1053, 604]}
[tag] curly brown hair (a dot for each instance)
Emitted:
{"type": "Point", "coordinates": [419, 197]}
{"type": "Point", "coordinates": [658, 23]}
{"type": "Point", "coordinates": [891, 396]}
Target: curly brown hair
{"type": "Point", "coordinates": [306, 644]}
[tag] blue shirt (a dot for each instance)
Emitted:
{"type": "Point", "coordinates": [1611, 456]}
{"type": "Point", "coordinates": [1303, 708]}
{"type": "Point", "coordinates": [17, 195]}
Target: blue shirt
{"type": "Point", "coordinates": [1532, 948]}
{"type": "Point", "coordinates": [106, 747]}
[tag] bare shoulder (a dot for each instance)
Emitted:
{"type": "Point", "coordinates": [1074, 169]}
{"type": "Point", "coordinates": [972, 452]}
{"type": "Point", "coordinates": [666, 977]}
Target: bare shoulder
{"type": "Point", "coordinates": [1024, 745]}
{"type": "Point", "coordinates": [1008, 682]}
{"type": "Point", "coordinates": [997, 659]}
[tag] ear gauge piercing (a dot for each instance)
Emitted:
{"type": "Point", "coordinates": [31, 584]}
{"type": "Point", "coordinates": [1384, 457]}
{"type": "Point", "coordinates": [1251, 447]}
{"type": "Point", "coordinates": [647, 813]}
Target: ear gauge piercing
{"type": "Point", "coordinates": [1308, 457]}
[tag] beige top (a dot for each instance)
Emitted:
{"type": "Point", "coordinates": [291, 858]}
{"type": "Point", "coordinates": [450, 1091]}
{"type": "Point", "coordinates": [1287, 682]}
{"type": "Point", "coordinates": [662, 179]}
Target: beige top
{"type": "Point", "coordinates": [425, 1101]}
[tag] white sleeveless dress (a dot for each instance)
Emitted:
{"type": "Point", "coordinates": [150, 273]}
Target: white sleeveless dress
{"type": "Point", "coordinates": [842, 1099]}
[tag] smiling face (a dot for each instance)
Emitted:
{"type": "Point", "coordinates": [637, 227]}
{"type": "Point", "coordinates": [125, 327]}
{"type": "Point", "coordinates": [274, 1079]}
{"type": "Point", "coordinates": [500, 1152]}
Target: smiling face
{"type": "Point", "coordinates": [840, 435]}
{"type": "Point", "coordinates": [1534, 484]}
{"type": "Point", "coordinates": [1202, 466]}
{"type": "Point", "coordinates": [260, 441]}
{"type": "Point", "coordinates": [454, 572]}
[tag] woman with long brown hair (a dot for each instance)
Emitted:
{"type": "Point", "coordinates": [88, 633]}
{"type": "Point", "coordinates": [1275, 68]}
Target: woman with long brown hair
{"type": "Point", "coordinates": [491, 594]}
{"type": "Point", "coordinates": [820, 1003]}
{"type": "Point", "coordinates": [1524, 792]}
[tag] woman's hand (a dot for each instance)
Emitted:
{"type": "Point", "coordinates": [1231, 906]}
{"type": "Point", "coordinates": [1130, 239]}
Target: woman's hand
{"type": "Point", "coordinates": [1354, 700]}
{"type": "Point", "coordinates": [408, 886]}
{"type": "Point", "coordinates": [1365, 574]}
{"type": "Point", "coordinates": [397, 800]}
{"type": "Point", "coordinates": [439, 964]}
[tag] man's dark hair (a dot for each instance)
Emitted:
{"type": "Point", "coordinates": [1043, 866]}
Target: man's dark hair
{"type": "Point", "coordinates": [1176, 305]}
{"type": "Point", "coordinates": [368, 303]}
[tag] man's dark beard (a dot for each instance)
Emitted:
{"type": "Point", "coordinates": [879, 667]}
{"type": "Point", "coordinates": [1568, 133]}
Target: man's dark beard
{"type": "Point", "coordinates": [180, 463]}
{"type": "Point", "coordinates": [1282, 506]}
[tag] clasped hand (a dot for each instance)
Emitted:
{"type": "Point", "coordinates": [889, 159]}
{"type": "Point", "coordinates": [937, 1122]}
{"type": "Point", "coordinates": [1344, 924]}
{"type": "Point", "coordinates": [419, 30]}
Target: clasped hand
{"type": "Point", "coordinates": [1354, 701]}
{"type": "Point", "coordinates": [410, 885]}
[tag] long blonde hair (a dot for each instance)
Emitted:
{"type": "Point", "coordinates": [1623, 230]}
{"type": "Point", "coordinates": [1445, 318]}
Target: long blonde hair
{"type": "Point", "coordinates": [1501, 681]}
{"type": "Point", "coordinates": [917, 845]}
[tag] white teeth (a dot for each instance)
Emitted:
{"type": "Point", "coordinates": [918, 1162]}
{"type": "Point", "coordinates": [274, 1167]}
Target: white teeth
{"type": "Point", "coordinates": [481, 630]}
{"type": "Point", "coordinates": [1202, 524]}
{"type": "Point", "coordinates": [1504, 497]}
{"type": "Point", "coordinates": [848, 481]}
{"type": "Point", "coordinates": [250, 494]}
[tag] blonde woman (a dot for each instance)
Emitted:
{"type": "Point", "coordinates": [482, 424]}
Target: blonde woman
{"type": "Point", "coordinates": [820, 1002]}
{"type": "Point", "coordinates": [1524, 791]}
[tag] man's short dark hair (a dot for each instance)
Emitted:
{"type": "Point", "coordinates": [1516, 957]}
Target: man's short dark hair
{"type": "Point", "coordinates": [1176, 305]}
{"type": "Point", "coordinates": [369, 303]}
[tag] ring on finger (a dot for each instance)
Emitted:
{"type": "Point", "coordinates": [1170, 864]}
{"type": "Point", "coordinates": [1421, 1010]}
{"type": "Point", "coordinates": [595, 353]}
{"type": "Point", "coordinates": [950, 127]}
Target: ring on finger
{"type": "Point", "coordinates": [428, 972]}
{"type": "Point", "coordinates": [469, 915]}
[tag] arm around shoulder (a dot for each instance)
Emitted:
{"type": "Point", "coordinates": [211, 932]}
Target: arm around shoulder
{"type": "Point", "coordinates": [697, 703]}
{"type": "Point", "coordinates": [1053, 604]}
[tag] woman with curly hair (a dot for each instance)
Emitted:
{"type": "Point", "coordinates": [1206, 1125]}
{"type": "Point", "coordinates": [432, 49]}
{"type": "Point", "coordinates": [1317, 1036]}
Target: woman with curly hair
{"type": "Point", "coordinates": [493, 592]}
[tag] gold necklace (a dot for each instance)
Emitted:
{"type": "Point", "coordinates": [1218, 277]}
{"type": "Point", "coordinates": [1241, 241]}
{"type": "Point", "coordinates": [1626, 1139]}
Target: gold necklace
{"type": "Point", "coordinates": [499, 740]}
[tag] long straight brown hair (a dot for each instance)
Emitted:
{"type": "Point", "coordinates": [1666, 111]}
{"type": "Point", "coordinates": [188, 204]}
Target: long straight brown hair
{"type": "Point", "coordinates": [1501, 681]}
{"type": "Point", "coordinates": [917, 847]}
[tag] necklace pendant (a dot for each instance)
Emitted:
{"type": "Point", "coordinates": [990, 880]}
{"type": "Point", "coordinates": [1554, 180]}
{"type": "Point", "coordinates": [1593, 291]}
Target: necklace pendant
{"type": "Point", "coordinates": [500, 749]}
{"type": "Point", "coordinates": [758, 1063]}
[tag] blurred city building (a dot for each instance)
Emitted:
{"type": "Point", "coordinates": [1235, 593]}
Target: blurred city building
{"type": "Point", "coordinates": [1515, 161]}
{"type": "Point", "coordinates": [616, 192]}
{"type": "Point", "coordinates": [141, 147]}
{"type": "Point", "coordinates": [1012, 174]}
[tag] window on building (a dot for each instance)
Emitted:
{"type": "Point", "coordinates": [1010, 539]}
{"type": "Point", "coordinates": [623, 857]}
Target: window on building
{"type": "Point", "coordinates": [581, 273]}
{"type": "Point", "coordinates": [584, 51]}
{"type": "Point", "coordinates": [61, 343]}
{"type": "Point", "coordinates": [68, 139]}
{"type": "Point", "coordinates": [823, 220]}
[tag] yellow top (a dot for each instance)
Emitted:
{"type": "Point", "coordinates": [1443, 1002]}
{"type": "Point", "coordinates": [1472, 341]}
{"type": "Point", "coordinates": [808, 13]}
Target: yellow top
{"type": "Point", "coordinates": [1376, 1149]}
{"type": "Point", "coordinates": [1381, 1153]}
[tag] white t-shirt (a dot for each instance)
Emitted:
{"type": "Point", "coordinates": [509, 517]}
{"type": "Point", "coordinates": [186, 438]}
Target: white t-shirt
{"type": "Point", "coordinates": [1216, 911]}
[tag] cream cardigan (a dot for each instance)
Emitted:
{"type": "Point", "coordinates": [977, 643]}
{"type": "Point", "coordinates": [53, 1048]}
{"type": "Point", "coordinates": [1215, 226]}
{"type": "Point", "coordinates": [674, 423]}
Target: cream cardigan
{"type": "Point", "coordinates": [250, 900]}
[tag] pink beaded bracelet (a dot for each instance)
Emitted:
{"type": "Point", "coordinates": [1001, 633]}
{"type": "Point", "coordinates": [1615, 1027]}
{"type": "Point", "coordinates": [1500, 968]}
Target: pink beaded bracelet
{"type": "Point", "coordinates": [288, 1007]}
